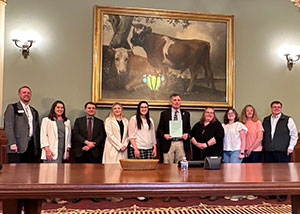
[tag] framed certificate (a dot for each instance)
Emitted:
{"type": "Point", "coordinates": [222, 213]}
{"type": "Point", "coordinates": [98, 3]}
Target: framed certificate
{"type": "Point", "coordinates": [175, 127]}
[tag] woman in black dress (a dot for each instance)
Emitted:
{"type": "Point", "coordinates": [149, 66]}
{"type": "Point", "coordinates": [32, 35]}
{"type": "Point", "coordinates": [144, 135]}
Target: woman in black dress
{"type": "Point", "coordinates": [207, 136]}
{"type": "Point", "coordinates": [207, 139]}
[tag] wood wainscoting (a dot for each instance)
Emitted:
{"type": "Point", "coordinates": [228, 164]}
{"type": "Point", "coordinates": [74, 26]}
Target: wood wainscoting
{"type": "Point", "coordinates": [296, 153]}
{"type": "Point", "coordinates": [3, 143]}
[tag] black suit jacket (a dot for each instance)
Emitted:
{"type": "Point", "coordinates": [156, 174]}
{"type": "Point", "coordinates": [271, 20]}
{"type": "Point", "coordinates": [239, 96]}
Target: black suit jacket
{"type": "Point", "coordinates": [163, 128]}
{"type": "Point", "coordinates": [80, 135]}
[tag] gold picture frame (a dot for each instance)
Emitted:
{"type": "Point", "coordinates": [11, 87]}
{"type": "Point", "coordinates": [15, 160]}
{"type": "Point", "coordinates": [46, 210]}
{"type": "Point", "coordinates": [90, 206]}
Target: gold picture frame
{"type": "Point", "coordinates": [149, 54]}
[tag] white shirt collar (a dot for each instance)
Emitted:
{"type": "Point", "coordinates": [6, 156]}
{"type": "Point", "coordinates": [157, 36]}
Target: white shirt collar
{"type": "Point", "coordinates": [173, 110]}
{"type": "Point", "coordinates": [277, 116]}
{"type": "Point", "coordinates": [24, 105]}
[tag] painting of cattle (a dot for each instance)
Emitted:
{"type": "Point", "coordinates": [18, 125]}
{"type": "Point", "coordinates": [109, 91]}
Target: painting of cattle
{"type": "Point", "coordinates": [141, 57]}
{"type": "Point", "coordinates": [167, 52]}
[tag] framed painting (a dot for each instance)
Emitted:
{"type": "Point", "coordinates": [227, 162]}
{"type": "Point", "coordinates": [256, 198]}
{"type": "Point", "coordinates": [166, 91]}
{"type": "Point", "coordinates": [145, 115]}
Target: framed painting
{"type": "Point", "coordinates": [149, 54]}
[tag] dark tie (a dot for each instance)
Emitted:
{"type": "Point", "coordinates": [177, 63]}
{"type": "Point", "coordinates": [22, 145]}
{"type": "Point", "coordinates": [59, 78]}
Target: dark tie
{"type": "Point", "coordinates": [89, 135]}
{"type": "Point", "coordinates": [176, 115]}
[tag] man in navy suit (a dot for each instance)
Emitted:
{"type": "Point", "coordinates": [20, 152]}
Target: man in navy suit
{"type": "Point", "coordinates": [88, 138]}
{"type": "Point", "coordinates": [174, 149]}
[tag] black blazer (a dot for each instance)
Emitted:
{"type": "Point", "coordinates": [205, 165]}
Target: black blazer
{"type": "Point", "coordinates": [163, 128]}
{"type": "Point", "coordinates": [80, 135]}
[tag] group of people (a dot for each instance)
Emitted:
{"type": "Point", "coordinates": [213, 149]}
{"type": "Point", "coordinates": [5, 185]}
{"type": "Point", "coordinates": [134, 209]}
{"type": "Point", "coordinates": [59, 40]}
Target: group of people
{"type": "Point", "coordinates": [245, 139]}
{"type": "Point", "coordinates": [94, 141]}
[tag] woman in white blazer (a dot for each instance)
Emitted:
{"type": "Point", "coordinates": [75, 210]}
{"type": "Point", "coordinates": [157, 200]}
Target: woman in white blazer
{"type": "Point", "coordinates": [56, 137]}
{"type": "Point", "coordinates": [50, 134]}
{"type": "Point", "coordinates": [116, 142]}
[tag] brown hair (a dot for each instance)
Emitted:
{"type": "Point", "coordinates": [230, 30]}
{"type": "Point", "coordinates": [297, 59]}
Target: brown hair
{"type": "Point", "coordinates": [202, 119]}
{"type": "Point", "coordinates": [139, 121]}
{"type": "Point", "coordinates": [226, 121]}
{"type": "Point", "coordinates": [276, 102]}
{"type": "Point", "coordinates": [244, 116]}
{"type": "Point", "coordinates": [25, 86]}
{"type": "Point", "coordinates": [52, 116]}
{"type": "Point", "coordinates": [174, 95]}
{"type": "Point", "coordinates": [90, 103]}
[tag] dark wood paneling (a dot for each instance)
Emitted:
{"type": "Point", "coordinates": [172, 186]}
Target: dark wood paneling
{"type": "Point", "coordinates": [3, 143]}
{"type": "Point", "coordinates": [296, 153]}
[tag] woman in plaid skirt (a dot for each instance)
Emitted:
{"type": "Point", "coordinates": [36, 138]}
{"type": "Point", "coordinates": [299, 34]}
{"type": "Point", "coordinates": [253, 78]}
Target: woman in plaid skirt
{"type": "Point", "coordinates": [142, 137]}
{"type": "Point", "coordinates": [142, 134]}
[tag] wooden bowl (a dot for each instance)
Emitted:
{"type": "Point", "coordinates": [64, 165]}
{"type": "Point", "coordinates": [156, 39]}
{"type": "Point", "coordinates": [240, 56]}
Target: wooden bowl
{"type": "Point", "coordinates": [139, 164]}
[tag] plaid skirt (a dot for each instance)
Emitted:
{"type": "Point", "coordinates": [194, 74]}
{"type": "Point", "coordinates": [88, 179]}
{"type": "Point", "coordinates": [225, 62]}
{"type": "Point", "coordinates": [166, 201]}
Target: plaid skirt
{"type": "Point", "coordinates": [144, 153]}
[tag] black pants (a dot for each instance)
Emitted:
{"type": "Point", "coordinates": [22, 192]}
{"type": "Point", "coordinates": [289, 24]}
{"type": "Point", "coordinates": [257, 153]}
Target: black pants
{"type": "Point", "coordinates": [276, 157]}
{"type": "Point", "coordinates": [87, 157]}
{"type": "Point", "coordinates": [255, 157]}
{"type": "Point", "coordinates": [27, 157]}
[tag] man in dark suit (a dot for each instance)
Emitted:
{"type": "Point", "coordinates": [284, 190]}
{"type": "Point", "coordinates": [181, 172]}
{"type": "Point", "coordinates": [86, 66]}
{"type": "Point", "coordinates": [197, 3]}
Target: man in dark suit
{"type": "Point", "coordinates": [22, 130]}
{"type": "Point", "coordinates": [88, 138]}
{"type": "Point", "coordinates": [174, 149]}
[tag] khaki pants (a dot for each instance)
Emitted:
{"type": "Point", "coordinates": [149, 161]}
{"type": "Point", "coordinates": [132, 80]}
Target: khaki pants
{"type": "Point", "coordinates": [176, 152]}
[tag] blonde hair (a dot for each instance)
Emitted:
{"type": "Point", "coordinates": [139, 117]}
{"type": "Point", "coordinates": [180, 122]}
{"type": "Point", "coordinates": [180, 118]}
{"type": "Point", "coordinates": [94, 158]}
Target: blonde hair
{"type": "Point", "coordinates": [111, 114]}
{"type": "Point", "coordinates": [244, 116]}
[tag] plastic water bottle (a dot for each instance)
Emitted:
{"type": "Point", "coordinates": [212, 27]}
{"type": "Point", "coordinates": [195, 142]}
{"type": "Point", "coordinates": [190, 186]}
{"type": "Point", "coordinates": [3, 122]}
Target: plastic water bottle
{"type": "Point", "coordinates": [184, 164]}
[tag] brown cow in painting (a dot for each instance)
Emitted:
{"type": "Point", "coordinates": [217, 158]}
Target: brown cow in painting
{"type": "Point", "coordinates": [136, 66]}
{"type": "Point", "coordinates": [164, 52]}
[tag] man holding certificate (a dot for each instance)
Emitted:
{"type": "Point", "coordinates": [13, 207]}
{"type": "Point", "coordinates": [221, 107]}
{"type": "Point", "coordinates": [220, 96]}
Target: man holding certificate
{"type": "Point", "coordinates": [174, 126]}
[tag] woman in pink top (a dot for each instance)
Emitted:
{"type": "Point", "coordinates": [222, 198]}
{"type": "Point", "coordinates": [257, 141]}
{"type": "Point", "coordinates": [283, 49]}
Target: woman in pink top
{"type": "Point", "coordinates": [254, 136]}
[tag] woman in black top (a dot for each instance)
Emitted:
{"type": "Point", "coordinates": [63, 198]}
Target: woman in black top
{"type": "Point", "coordinates": [207, 139]}
{"type": "Point", "coordinates": [207, 136]}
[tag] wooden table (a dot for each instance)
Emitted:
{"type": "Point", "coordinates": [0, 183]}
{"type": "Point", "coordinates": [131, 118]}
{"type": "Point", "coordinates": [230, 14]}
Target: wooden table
{"type": "Point", "coordinates": [38, 181]}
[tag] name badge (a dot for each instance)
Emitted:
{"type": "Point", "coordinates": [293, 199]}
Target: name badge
{"type": "Point", "coordinates": [21, 111]}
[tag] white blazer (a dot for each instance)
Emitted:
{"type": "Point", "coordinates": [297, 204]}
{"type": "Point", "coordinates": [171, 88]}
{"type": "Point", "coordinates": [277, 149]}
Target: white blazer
{"type": "Point", "coordinates": [113, 144]}
{"type": "Point", "coordinates": [49, 137]}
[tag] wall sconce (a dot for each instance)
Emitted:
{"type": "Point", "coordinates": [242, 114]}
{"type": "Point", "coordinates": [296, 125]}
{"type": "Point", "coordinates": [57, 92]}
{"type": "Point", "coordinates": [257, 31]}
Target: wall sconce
{"type": "Point", "coordinates": [291, 61]}
{"type": "Point", "coordinates": [24, 47]}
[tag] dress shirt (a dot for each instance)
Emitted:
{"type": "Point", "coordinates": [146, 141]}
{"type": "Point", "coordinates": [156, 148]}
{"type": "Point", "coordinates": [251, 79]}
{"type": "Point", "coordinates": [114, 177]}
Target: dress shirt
{"type": "Point", "coordinates": [29, 116]}
{"type": "Point", "coordinates": [291, 126]}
